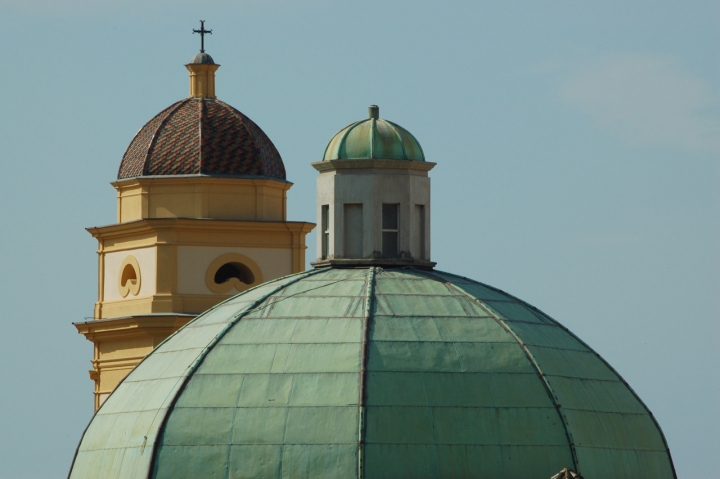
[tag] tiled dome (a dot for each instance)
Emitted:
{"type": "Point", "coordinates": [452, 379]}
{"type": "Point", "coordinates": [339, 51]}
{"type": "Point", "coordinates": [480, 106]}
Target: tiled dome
{"type": "Point", "coordinates": [372, 373]}
{"type": "Point", "coordinates": [201, 136]}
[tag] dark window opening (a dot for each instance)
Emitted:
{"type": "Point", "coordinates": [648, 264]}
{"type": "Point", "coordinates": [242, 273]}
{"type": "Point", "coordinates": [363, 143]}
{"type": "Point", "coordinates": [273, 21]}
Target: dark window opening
{"type": "Point", "coordinates": [353, 230]}
{"type": "Point", "coordinates": [325, 231]}
{"type": "Point", "coordinates": [390, 235]}
{"type": "Point", "coordinates": [128, 275]}
{"type": "Point", "coordinates": [420, 225]}
{"type": "Point", "coordinates": [234, 270]}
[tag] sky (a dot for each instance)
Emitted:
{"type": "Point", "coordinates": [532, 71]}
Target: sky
{"type": "Point", "coordinates": [577, 148]}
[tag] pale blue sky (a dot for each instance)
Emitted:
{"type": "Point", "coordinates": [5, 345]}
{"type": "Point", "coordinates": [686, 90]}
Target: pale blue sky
{"type": "Point", "coordinates": [578, 151]}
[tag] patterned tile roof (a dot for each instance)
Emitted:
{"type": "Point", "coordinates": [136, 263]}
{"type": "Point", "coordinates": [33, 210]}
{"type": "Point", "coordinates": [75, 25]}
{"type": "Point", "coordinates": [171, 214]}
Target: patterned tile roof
{"type": "Point", "coordinates": [201, 136]}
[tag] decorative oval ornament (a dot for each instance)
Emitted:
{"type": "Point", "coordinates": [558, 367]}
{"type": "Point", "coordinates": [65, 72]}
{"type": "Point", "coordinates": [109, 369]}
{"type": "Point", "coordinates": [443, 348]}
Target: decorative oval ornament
{"type": "Point", "coordinates": [129, 277]}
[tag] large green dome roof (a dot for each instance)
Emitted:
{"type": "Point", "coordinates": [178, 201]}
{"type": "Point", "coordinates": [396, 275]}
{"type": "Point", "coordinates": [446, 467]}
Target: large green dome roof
{"type": "Point", "coordinates": [372, 373]}
{"type": "Point", "coordinates": [374, 138]}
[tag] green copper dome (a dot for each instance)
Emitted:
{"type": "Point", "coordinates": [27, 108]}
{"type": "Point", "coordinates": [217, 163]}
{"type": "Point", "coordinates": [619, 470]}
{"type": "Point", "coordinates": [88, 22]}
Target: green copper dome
{"type": "Point", "coordinates": [372, 373]}
{"type": "Point", "coordinates": [374, 139]}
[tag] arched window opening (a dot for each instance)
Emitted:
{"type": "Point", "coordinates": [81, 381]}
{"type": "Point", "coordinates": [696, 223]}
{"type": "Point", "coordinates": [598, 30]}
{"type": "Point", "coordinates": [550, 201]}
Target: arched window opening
{"type": "Point", "coordinates": [128, 276]}
{"type": "Point", "coordinates": [234, 270]}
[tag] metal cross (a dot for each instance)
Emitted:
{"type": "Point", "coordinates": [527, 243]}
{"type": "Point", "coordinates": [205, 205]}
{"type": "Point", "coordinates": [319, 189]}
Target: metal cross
{"type": "Point", "coordinates": [202, 33]}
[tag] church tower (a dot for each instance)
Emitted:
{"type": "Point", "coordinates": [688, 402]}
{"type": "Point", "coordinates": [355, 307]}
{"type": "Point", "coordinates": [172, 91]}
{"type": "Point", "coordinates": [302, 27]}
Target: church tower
{"type": "Point", "coordinates": [201, 216]}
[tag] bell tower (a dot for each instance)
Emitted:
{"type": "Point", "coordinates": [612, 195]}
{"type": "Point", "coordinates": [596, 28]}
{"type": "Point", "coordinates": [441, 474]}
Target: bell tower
{"type": "Point", "coordinates": [201, 216]}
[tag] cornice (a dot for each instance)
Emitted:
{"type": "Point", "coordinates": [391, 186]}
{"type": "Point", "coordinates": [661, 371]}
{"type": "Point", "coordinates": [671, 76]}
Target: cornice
{"type": "Point", "coordinates": [152, 225]}
{"type": "Point", "coordinates": [186, 180]}
{"type": "Point", "coordinates": [332, 165]}
{"type": "Point", "coordinates": [132, 326]}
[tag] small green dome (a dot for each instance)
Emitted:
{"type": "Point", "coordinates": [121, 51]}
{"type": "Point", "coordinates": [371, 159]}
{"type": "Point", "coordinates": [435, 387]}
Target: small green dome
{"type": "Point", "coordinates": [374, 138]}
{"type": "Point", "coordinates": [372, 373]}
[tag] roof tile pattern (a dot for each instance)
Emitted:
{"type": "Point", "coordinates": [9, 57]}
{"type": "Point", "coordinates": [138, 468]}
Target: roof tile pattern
{"type": "Point", "coordinates": [201, 136]}
{"type": "Point", "coordinates": [133, 162]}
{"type": "Point", "coordinates": [175, 150]}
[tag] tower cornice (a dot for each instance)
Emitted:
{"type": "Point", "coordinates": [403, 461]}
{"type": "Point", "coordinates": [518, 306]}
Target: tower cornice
{"type": "Point", "coordinates": [329, 165]}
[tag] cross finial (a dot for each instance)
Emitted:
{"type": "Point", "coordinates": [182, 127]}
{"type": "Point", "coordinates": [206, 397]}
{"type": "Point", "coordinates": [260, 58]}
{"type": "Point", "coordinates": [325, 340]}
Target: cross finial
{"type": "Point", "coordinates": [202, 33]}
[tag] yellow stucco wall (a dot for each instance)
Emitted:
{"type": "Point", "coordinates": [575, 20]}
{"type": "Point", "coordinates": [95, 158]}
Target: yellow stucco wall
{"type": "Point", "coordinates": [202, 197]}
{"type": "Point", "coordinates": [274, 263]}
{"type": "Point", "coordinates": [146, 259]}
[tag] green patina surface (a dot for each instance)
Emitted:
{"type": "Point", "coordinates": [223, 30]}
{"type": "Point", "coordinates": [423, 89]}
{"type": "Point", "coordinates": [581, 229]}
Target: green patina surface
{"type": "Point", "coordinates": [372, 373]}
{"type": "Point", "coordinates": [374, 139]}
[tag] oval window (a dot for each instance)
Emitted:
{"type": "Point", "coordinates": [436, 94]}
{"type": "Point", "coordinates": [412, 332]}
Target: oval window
{"type": "Point", "coordinates": [232, 272]}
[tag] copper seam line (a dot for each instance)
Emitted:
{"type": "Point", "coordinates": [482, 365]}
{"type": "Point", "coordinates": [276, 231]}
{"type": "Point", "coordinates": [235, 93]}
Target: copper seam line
{"type": "Point", "coordinates": [77, 449]}
{"type": "Point", "coordinates": [396, 130]}
{"type": "Point", "coordinates": [342, 144]}
{"type": "Point", "coordinates": [343, 141]}
{"type": "Point", "coordinates": [367, 318]}
{"type": "Point", "coordinates": [373, 131]}
{"type": "Point", "coordinates": [208, 348]}
{"type": "Point", "coordinates": [123, 380]}
{"type": "Point", "coordinates": [591, 350]}
{"type": "Point", "coordinates": [531, 358]}
{"type": "Point", "coordinates": [620, 378]}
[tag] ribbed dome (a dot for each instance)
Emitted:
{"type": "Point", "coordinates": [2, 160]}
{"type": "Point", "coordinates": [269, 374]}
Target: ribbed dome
{"type": "Point", "coordinates": [201, 136]}
{"type": "Point", "coordinates": [374, 138]}
{"type": "Point", "coordinates": [373, 373]}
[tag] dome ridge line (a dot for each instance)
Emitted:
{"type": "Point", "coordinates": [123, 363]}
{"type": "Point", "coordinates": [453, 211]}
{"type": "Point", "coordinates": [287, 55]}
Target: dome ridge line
{"type": "Point", "coordinates": [397, 130]}
{"type": "Point", "coordinates": [201, 112]}
{"type": "Point", "coordinates": [242, 118]}
{"type": "Point", "coordinates": [528, 354]}
{"type": "Point", "coordinates": [341, 142]}
{"type": "Point", "coordinates": [367, 318]}
{"type": "Point", "coordinates": [614, 371]}
{"type": "Point", "coordinates": [399, 137]}
{"type": "Point", "coordinates": [156, 135]}
{"type": "Point", "coordinates": [161, 428]}
{"type": "Point", "coordinates": [531, 358]}
{"type": "Point", "coordinates": [627, 385]}
{"type": "Point", "coordinates": [591, 350]}
{"type": "Point", "coordinates": [198, 362]}
{"type": "Point", "coordinates": [342, 146]}
{"type": "Point", "coordinates": [172, 107]}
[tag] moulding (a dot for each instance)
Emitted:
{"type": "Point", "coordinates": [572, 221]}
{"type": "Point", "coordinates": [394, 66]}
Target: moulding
{"type": "Point", "coordinates": [330, 165]}
{"type": "Point", "coordinates": [126, 284]}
